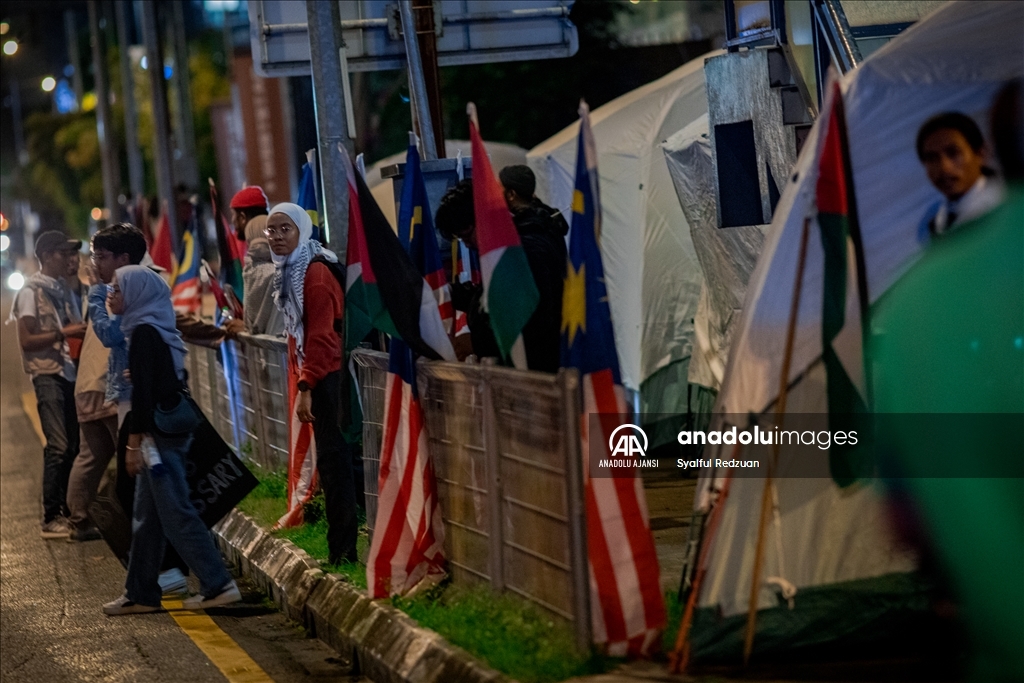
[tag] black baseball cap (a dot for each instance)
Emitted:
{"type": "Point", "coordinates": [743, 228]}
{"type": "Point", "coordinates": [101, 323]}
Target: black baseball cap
{"type": "Point", "coordinates": [55, 240]}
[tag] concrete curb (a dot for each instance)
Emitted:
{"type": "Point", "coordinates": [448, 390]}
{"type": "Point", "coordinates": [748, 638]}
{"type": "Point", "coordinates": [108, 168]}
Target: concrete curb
{"type": "Point", "coordinates": [387, 644]}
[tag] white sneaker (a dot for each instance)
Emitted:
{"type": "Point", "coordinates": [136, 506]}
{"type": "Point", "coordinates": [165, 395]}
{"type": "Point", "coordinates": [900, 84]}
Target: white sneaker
{"type": "Point", "coordinates": [125, 606]}
{"type": "Point", "coordinates": [58, 527]}
{"type": "Point", "coordinates": [172, 582]}
{"type": "Point", "coordinates": [227, 596]}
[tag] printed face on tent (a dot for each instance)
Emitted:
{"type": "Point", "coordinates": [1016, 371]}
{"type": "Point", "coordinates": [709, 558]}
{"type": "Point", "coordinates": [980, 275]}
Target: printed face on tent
{"type": "Point", "coordinates": [952, 164]}
{"type": "Point", "coordinates": [282, 234]}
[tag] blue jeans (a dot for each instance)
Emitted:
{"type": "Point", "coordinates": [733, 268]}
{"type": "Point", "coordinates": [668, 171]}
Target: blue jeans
{"type": "Point", "coordinates": [55, 399]}
{"type": "Point", "coordinates": [163, 509]}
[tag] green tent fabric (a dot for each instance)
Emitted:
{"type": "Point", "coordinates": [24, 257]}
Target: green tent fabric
{"type": "Point", "coordinates": [883, 615]}
{"type": "Point", "coordinates": [949, 338]}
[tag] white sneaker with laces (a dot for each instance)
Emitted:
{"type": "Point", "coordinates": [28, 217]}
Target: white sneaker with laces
{"type": "Point", "coordinates": [172, 582]}
{"type": "Point", "coordinates": [58, 527]}
{"type": "Point", "coordinates": [227, 596]}
{"type": "Point", "coordinates": [125, 606]}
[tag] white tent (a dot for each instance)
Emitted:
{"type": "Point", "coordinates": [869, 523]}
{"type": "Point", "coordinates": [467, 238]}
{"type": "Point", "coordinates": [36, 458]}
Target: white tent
{"type": "Point", "coordinates": [824, 539]}
{"type": "Point", "coordinates": [652, 272]}
{"type": "Point", "coordinates": [502, 154]}
{"type": "Point", "coordinates": [954, 60]}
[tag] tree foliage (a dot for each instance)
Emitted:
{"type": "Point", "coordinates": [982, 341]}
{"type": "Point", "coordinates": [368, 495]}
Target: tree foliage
{"type": "Point", "coordinates": [63, 179]}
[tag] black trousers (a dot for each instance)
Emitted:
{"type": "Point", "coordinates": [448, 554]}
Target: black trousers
{"type": "Point", "coordinates": [55, 400]}
{"type": "Point", "coordinates": [334, 464]}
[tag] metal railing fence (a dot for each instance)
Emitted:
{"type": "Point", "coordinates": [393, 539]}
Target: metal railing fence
{"type": "Point", "coordinates": [505, 446]}
{"type": "Point", "coordinates": [251, 413]}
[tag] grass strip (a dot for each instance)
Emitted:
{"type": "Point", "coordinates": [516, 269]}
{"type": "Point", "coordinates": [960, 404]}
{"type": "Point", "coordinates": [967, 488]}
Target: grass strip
{"type": "Point", "coordinates": [507, 632]}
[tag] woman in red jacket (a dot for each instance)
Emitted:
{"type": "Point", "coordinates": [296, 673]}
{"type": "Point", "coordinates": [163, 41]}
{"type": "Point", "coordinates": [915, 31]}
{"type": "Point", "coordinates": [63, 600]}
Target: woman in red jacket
{"type": "Point", "coordinates": [312, 302]}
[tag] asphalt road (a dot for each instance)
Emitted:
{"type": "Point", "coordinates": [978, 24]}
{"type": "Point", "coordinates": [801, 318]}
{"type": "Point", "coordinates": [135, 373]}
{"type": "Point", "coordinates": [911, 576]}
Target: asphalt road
{"type": "Point", "coordinates": [52, 628]}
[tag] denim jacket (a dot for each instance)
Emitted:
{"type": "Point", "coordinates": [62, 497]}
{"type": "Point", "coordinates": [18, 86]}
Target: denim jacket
{"type": "Point", "coordinates": [108, 329]}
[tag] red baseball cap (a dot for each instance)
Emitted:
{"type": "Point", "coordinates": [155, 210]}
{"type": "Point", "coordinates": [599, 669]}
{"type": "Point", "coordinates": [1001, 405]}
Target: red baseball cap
{"type": "Point", "coordinates": [250, 196]}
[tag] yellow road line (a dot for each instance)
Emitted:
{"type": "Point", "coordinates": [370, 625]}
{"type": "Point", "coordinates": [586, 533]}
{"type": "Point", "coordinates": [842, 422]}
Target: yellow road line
{"type": "Point", "coordinates": [236, 665]}
{"type": "Point", "coordinates": [226, 655]}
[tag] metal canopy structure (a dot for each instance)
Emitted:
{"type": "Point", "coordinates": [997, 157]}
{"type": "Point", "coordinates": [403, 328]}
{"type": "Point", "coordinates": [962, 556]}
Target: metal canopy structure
{"type": "Point", "coordinates": [468, 32]}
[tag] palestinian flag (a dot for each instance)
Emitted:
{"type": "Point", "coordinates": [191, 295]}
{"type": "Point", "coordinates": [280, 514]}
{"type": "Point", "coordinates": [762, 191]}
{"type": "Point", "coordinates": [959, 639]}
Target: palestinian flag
{"type": "Point", "coordinates": [845, 300]}
{"type": "Point", "coordinates": [510, 295]}
{"type": "Point", "coordinates": [384, 289]}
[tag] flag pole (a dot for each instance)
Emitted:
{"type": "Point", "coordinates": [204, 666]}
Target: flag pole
{"type": "Point", "coordinates": [780, 411]}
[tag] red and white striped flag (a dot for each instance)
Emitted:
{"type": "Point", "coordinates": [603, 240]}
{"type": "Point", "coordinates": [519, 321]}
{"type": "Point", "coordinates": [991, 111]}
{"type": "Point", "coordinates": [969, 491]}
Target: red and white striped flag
{"type": "Point", "coordinates": [408, 536]}
{"type": "Point", "coordinates": [302, 479]}
{"type": "Point", "coordinates": [627, 607]}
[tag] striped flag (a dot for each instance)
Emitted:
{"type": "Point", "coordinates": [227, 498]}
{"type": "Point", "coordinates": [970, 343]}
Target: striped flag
{"type": "Point", "coordinates": [416, 232]}
{"type": "Point", "coordinates": [627, 607]}
{"type": "Point", "coordinates": [302, 479]}
{"type": "Point", "coordinates": [510, 295]}
{"type": "Point", "coordinates": [185, 293]}
{"type": "Point", "coordinates": [844, 314]}
{"type": "Point", "coordinates": [408, 537]}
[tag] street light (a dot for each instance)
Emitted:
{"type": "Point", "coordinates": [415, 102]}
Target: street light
{"type": "Point", "coordinates": [15, 281]}
{"type": "Point", "coordinates": [49, 83]}
{"type": "Point", "coordinates": [10, 47]}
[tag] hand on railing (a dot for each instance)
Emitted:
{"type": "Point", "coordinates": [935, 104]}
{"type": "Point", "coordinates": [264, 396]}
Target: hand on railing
{"type": "Point", "coordinates": [232, 328]}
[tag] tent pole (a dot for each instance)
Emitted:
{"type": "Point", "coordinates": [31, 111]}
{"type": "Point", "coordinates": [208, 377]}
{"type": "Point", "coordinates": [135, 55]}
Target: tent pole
{"type": "Point", "coordinates": [679, 658]}
{"type": "Point", "coordinates": [780, 411]}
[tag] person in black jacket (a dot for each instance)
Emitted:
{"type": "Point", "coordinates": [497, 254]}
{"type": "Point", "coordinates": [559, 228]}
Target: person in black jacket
{"type": "Point", "coordinates": [156, 365]}
{"type": "Point", "coordinates": [542, 232]}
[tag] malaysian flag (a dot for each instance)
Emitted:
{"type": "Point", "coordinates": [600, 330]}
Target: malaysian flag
{"type": "Point", "coordinates": [185, 292]}
{"type": "Point", "coordinates": [302, 479]}
{"type": "Point", "coordinates": [416, 231]}
{"type": "Point", "coordinates": [408, 539]}
{"type": "Point", "coordinates": [408, 536]}
{"type": "Point", "coordinates": [627, 607]}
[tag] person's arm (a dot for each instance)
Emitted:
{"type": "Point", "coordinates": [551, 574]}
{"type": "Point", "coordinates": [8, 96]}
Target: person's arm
{"type": "Point", "coordinates": [107, 329]}
{"type": "Point", "coordinates": [31, 339]}
{"type": "Point", "coordinates": [324, 303]}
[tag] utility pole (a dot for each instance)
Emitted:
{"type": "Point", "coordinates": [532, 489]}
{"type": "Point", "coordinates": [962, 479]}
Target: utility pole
{"type": "Point", "coordinates": [71, 35]}
{"type": "Point", "coordinates": [417, 85]}
{"type": "Point", "coordinates": [161, 119]}
{"type": "Point", "coordinates": [108, 151]}
{"type": "Point", "coordinates": [136, 177]}
{"type": "Point", "coordinates": [325, 45]}
{"type": "Point", "coordinates": [186, 164]}
{"type": "Point", "coordinates": [423, 11]}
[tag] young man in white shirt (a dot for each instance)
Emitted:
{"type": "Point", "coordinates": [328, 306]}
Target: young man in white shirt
{"type": "Point", "coordinates": [48, 317]}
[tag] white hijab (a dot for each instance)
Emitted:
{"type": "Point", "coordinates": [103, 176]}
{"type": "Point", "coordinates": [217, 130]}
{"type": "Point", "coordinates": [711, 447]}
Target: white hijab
{"type": "Point", "coordinates": [290, 272]}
